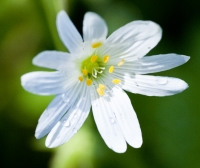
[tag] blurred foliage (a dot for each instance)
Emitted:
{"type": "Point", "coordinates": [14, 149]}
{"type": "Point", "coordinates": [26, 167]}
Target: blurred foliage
{"type": "Point", "coordinates": [169, 124]}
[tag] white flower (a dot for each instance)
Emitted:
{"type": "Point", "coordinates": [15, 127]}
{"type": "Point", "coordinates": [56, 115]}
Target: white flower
{"type": "Point", "coordinates": [94, 73]}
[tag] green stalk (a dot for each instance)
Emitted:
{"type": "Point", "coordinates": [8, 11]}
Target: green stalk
{"type": "Point", "coordinates": [51, 8]}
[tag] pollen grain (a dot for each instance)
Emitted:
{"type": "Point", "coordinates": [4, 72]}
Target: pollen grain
{"type": "Point", "coordinates": [93, 58]}
{"type": "Point", "coordinates": [111, 69]}
{"type": "Point", "coordinates": [106, 58]}
{"type": "Point", "coordinates": [88, 82]}
{"type": "Point", "coordinates": [116, 81]}
{"type": "Point", "coordinates": [85, 72]}
{"type": "Point", "coordinates": [80, 78]}
{"type": "Point", "coordinates": [120, 63]}
{"type": "Point", "coordinates": [100, 92]}
{"type": "Point", "coordinates": [96, 45]}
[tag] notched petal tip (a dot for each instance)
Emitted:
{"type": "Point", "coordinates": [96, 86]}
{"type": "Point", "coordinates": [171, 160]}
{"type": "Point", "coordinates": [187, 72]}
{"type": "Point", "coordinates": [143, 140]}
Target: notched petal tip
{"type": "Point", "coordinates": [61, 13]}
{"type": "Point", "coordinates": [25, 79]}
{"type": "Point", "coordinates": [94, 27]}
{"type": "Point", "coordinates": [138, 143]}
{"type": "Point", "coordinates": [182, 85]}
{"type": "Point", "coordinates": [48, 145]}
{"type": "Point", "coordinates": [186, 58]}
{"type": "Point", "coordinates": [52, 144]}
{"type": "Point", "coordinates": [38, 135]}
{"type": "Point", "coordinates": [120, 149]}
{"type": "Point", "coordinates": [37, 59]}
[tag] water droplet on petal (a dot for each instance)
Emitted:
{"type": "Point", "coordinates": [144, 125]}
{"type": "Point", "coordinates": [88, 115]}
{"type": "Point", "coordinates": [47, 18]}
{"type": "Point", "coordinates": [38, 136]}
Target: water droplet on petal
{"type": "Point", "coordinates": [161, 81]}
{"type": "Point", "coordinates": [75, 116]}
{"type": "Point", "coordinates": [112, 120]}
{"type": "Point", "coordinates": [136, 84]}
{"type": "Point", "coordinates": [66, 123]}
{"type": "Point", "coordinates": [65, 98]}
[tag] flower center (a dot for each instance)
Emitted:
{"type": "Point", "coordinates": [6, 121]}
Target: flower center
{"type": "Point", "coordinates": [93, 66]}
{"type": "Point", "coordinates": [90, 64]}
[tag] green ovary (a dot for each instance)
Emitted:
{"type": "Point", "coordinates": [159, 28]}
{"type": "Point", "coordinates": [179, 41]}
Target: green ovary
{"type": "Point", "coordinates": [87, 64]}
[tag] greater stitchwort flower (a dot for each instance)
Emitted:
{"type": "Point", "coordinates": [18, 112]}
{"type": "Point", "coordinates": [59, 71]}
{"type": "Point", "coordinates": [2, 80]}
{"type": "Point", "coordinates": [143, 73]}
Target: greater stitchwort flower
{"type": "Point", "coordinates": [95, 73]}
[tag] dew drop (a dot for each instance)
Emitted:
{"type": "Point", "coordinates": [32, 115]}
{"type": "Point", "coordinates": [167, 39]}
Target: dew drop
{"type": "Point", "coordinates": [112, 120]}
{"type": "Point", "coordinates": [65, 98]}
{"type": "Point", "coordinates": [131, 75]}
{"type": "Point", "coordinates": [75, 115]}
{"type": "Point", "coordinates": [136, 84]}
{"type": "Point", "coordinates": [66, 123]}
{"type": "Point", "coordinates": [161, 81]}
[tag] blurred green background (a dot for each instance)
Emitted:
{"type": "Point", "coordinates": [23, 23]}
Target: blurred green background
{"type": "Point", "coordinates": [170, 125]}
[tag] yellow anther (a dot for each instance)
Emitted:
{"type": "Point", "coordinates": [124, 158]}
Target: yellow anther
{"type": "Point", "coordinates": [116, 81]}
{"type": "Point", "coordinates": [106, 58]}
{"type": "Point", "coordinates": [100, 91]}
{"type": "Point", "coordinates": [93, 58]}
{"type": "Point", "coordinates": [85, 72]}
{"type": "Point", "coordinates": [111, 69]}
{"type": "Point", "coordinates": [96, 45]}
{"type": "Point", "coordinates": [121, 63]}
{"type": "Point", "coordinates": [101, 86]}
{"type": "Point", "coordinates": [88, 82]}
{"type": "Point", "coordinates": [80, 78]}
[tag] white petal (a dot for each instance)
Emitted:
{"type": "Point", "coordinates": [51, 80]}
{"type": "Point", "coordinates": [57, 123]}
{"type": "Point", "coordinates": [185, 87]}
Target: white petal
{"type": "Point", "coordinates": [107, 124]}
{"type": "Point", "coordinates": [68, 33]}
{"type": "Point", "coordinates": [71, 121]}
{"type": "Point", "coordinates": [157, 63]}
{"type": "Point", "coordinates": [45, 83]}
{"type": "Point", "coordinates": [133, 40]}
{"type": "Point", "coordinates": [56, 109]}
{"type": "Point", "coordinates": [94, 27]}
{"type": "Point", "coordinates": [126, 118]}
{"type": "Point", "coordinates": [153, 85]}
{"type": "Point", "coordinates": [51, 59]}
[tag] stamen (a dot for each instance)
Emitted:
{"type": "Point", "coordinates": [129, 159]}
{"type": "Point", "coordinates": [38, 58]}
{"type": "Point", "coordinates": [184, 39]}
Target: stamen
{"type": "Point", "coordinates": [116, 81]}
{"type": "Point", "coordinates": [100, 91]}
{"type": "Point", "coordinates": [94, 73]}
{"type": "Point", "coordinates": [93, 58]}
{"type": "Point", "coordinates": [120, 63]}
{"type": "Point", "coordinates": [85, 72]}
{"type": "Point", "coordinates": [80, 78]}
{"type": "Point", "coordinates": [102, 68]}
{"type": "Point", "coordinates": [96, 45]}
{"type": "Point", "coordinates": [88, 82]}
{"type": "Point", "coordinates": [106, 58]}
{"type": "Point", "coordinates": [98, 71]}
{"type": "Point", "coordinates": [111, 69]}
{"type": "Point", "coordinates": [101, 86]}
